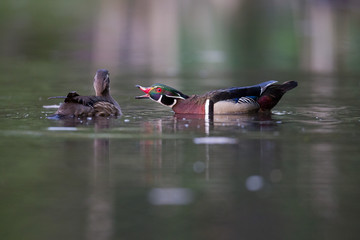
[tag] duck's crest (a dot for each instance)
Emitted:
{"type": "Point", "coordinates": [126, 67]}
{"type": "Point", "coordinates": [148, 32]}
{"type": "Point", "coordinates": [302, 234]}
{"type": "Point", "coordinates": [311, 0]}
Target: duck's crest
{"type": "Point", "coordinates": [264, 85]}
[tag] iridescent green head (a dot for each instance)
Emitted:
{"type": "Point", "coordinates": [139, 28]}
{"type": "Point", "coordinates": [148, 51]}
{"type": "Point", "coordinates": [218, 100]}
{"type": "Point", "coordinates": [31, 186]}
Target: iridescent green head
{"type": "Point", "coordinates": [161, 93]}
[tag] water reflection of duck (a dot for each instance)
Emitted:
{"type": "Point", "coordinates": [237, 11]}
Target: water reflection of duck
{"type": "Point", "coordinates": [102, 104]}
{"type": "Point", "coordinates": [262, 97]}
{"type": "Point", "coordinates": [201, 124]}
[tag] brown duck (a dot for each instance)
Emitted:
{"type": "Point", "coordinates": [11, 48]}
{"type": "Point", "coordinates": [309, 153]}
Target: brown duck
{"type": "Point", "coordinates": [102, 104]}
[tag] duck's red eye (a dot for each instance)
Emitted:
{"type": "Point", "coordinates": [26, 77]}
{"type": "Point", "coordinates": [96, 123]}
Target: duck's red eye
{"type": "Point", "coordinates": [158, 90]}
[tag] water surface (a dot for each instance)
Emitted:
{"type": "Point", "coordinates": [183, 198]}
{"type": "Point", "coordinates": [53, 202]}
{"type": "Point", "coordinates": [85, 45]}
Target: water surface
{"type": "Point", "coordinates": [153, 175]}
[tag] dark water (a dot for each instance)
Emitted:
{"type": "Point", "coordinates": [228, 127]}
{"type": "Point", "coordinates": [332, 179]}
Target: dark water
{"type": "Point", "coordinates": [153, 175]}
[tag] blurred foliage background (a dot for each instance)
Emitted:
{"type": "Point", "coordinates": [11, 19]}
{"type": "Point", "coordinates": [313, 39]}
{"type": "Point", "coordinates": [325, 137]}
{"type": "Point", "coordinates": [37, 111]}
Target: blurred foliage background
{"type": "Point", "coordinates": [171, 37]}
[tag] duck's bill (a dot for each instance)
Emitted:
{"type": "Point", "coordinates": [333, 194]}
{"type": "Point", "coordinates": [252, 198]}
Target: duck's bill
{"type": "Point", "coordinates": [145, 90]}
{"type": "Point", "coordinates": [142, 97]}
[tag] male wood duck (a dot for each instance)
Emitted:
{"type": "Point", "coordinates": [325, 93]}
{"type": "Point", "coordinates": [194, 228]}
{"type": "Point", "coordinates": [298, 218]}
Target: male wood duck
{"type": "Point", "coordinates": [261, 97]}
{"type": "Point", "coordinates": [102, 104]}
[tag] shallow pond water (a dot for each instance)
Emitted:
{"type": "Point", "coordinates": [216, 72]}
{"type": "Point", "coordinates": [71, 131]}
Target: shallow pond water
{"type": "Point", "coordinates": [152, 175]}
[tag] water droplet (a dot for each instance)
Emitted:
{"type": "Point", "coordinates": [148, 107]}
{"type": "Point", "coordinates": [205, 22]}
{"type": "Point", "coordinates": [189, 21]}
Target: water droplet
{"type": "Point", "coordinates": [170, 196]}
{"type": "Point", "coordinates": [199, 167]}
{"type": "Point", "coordinates": [254, 183]}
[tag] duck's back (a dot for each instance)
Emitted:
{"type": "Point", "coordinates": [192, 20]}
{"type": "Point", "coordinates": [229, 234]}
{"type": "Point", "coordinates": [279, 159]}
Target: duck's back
{"type": "Point", "coordinates": [99, 109]}
{"type": "Point", "coordinates": [71, 109]}
{"type": "Point", "coordinates": [236, 100]}
{"type": "Point", "coordinates": [87, 106]}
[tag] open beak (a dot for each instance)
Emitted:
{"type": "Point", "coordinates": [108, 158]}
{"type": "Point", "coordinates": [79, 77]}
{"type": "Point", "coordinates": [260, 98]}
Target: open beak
{"type": "Point", "coordinates": [145, 90]}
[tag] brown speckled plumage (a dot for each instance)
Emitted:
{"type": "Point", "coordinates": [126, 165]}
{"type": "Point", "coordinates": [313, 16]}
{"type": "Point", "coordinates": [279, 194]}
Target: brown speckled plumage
{"type": "Point", "coordinates": [91, 106]}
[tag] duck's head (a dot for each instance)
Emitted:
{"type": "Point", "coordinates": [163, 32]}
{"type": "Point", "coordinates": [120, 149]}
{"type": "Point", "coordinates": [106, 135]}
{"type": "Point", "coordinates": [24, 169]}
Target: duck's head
{"type": "Point", "coordinates": [162, 94]}
{"type": "Point", "coordinates": [102, 82]}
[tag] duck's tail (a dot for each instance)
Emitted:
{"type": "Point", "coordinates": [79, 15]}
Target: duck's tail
{"type": "Point", "coordinates": [273, 93]}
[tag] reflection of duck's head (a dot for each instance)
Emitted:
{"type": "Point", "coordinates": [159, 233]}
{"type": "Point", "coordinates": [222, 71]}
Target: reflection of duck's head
{"type": "Point", "coordinates": [86, 106]}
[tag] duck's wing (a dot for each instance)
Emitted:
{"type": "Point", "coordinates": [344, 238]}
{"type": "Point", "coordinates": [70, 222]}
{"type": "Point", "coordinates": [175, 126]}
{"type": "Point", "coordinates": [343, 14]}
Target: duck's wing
{"type": "Point", "coordinates": [238, 92]}
{"type": "Point", "coordinates": [74, 97]}
{"type": "Point", "coordinates": [104, 109]}
{"type": "Point", "coordinates": [71, 97]}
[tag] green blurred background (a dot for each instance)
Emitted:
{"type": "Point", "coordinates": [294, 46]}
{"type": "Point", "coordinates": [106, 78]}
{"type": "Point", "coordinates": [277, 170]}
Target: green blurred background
{"type": "Point", "coordinates": [183, 37]}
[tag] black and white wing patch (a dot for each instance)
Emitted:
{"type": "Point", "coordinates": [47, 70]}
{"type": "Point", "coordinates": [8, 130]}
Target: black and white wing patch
{"type": "Point", "coordinates": [247, 100]}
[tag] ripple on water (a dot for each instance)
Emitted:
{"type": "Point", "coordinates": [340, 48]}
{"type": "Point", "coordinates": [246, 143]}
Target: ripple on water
{"type": "Point", "coordinates": [62, 128]}
{"type": "Point", "coordinates": [51, 106]}
{"type": "Point", "coordinates": [281, 113]}
{"type": "Point", "coordinates": [215, 140]}
{"type": "Point", "coordinates": [322, 118]}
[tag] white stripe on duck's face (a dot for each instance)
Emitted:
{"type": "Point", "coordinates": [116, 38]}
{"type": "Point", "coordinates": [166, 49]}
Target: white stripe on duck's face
{"type": "Point", "coordinates": [243, 105]}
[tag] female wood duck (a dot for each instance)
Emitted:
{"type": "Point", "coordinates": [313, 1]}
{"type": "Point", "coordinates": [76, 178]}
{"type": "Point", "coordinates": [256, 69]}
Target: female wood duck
{"type": "Point", "coordinates": [262, 97]}
{"type": "Point", "coordinates": [102, 104]}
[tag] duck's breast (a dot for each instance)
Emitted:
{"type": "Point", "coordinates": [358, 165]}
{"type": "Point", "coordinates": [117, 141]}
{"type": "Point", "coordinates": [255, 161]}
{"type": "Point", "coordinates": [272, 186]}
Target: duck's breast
{"type": "Point", "coordinates": [189, 107]}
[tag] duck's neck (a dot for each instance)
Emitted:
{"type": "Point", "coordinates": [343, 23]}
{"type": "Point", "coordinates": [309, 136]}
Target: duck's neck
{"type": "Point", "coordinates": [105, 93]}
